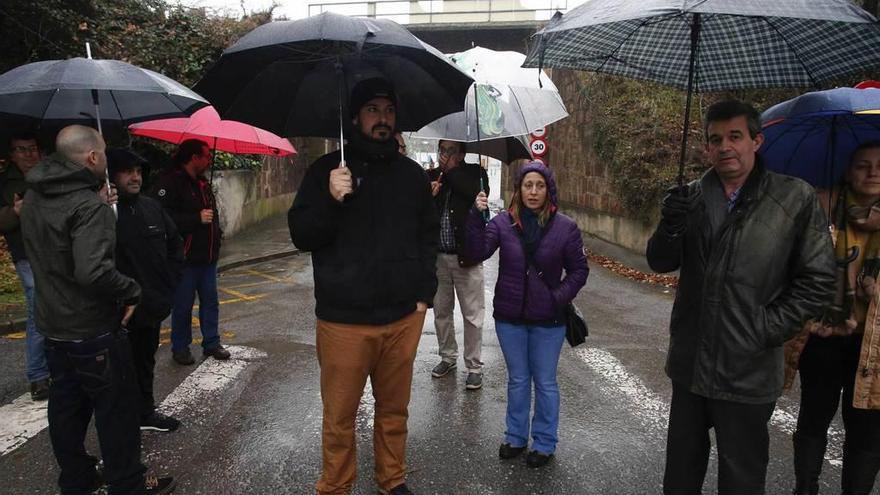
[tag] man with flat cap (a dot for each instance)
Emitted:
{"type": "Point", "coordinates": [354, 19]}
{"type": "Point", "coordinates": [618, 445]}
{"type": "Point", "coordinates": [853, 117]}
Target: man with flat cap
{"type": "Point", "coordinates": [149, 250]}
{"type": "Point", "coordinates": [372, 229]}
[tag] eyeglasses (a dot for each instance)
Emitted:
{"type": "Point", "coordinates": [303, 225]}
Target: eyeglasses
{"type": "Point", "coordinates": [25, 149]}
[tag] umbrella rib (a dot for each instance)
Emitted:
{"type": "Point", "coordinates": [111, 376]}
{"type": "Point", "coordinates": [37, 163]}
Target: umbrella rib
{"type": "Point", "coordinates": [792, 48]}
{"type": "Point", "coordinates": [620, 45]}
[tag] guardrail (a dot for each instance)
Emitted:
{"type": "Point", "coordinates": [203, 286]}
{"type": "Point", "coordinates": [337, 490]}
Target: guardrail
{"type": "Point", "coordinates": [445, 11]}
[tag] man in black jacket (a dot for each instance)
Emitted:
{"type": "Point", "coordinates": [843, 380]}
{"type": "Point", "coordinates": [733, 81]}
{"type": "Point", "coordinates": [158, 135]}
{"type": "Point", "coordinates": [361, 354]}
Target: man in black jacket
{"type": "Point", "coordinates": [186, 195]}
{"type": "Point", "coordinates": [24, 154]}
{"type": "Point", "coordinates": [755, 263]}
{"type": "Point", "coordinates": [82, 302]}
{"type": "Point", "coordinates": [149, 250]}
{"type": "Point", "coordinates": [454, 189]}
{"type": "Point", "coordinates": [372, 230]}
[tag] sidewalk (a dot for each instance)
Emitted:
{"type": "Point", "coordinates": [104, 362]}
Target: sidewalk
{"type": "Point", "coordinates": [264, 241]}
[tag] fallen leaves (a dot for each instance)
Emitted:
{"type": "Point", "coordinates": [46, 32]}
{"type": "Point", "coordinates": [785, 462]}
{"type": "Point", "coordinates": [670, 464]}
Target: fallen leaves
{"type": "Point", "coordinates": [631, 273]}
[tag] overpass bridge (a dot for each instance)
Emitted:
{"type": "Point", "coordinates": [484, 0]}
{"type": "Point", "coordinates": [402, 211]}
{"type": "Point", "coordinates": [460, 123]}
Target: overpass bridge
{"type": "Point", "coordinates": [456, 25]}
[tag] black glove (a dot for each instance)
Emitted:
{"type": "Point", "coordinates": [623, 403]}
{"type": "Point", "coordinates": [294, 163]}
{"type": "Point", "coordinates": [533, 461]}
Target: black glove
{"type": "Point", "coordinates": [677, 204]}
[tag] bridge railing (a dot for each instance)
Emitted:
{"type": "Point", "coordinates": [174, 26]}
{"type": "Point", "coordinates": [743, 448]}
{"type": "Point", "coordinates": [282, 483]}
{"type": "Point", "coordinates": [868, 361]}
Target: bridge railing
{"type": "Point", "coordinates": [444, 11]}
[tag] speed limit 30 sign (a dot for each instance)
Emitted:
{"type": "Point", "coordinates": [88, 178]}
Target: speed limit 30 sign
{"type": "Point", "coordinates": [538, 147]}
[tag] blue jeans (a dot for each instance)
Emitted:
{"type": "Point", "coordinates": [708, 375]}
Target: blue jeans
{"type": "Point", "coordinates": [201, 279]}
{"type": "Point", "coordinates": [95, 378]}
{"type": "Point", "coordinates": [531, 354]}
{"type": "Point", "coordinates": [36, 367]}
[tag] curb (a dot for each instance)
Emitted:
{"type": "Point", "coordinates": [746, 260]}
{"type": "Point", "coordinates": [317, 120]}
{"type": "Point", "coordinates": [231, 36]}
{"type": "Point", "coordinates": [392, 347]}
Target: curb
{"type": "Point", "coordinates": [19, 325]}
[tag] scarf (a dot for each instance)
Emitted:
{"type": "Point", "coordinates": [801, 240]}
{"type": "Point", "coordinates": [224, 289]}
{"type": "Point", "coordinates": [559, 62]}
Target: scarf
{"type": "Point", "coordinates": [531, 230]}
{"type": "Point", "coordinates": [856, 237]}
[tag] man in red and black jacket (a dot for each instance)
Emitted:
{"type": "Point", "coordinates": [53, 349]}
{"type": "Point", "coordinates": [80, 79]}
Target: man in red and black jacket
{"type": "Point", "coordinates": [186, 195]}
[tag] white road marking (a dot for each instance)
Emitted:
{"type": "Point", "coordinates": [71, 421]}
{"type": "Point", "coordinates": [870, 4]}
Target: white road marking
{"type": "Point", "coordinates": [22, 419]}
{"type": "Point", "coordinates": [210, 377]}
{"type": "Point", "coordinates": [653, 411]}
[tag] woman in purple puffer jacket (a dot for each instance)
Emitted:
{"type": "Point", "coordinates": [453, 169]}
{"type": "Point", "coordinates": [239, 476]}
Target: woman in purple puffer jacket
{"type": "Point", "coordinates": [536, 243]}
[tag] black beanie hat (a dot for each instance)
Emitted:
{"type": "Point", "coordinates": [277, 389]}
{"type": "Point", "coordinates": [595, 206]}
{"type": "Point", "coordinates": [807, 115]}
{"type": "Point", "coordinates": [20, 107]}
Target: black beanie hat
{"type": "Point", "coordinates": [368, 89]}
{"type": "Point", "coordinates": [119, 159]}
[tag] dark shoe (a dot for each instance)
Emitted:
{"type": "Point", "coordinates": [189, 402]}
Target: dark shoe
{"type": "Point", "coordinates": [159, 486]}
{"type": "Point", "coordinates": [474, 381]}
{"type": "Point", "coordinates": [508, 452]}
{"type": "Point", "coordinates": [398, 490]}
{"type": "Point", "coordinates": [536, 459]}
{"type": "Point", "coordinates": [40, 390]}
{"type": "Point", "coordinates": [157, 421]}
{"type": "Point", "coordinates": [809, 454]}
{"type": "Point", "coordinates": [217, 353]}
{"type": "Point", "coordinates": [183, 357]}
{"type": "Point", "coordinates": [442, 369]}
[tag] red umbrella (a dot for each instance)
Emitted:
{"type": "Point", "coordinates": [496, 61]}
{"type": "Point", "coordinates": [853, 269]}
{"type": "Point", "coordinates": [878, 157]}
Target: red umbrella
{"type": "Point", "coordinates": [223, 135]}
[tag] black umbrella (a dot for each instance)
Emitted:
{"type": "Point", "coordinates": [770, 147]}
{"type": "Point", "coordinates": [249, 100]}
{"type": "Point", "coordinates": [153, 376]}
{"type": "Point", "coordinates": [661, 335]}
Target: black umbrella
{"type": "Point", "coordinates": [713, 45]}
{"type": "Point", "coordinates": [293, 77]}
{"type": "Point", "coordinates": [75, 91]}
{"type": "Point", "coordinates": [506, 149]}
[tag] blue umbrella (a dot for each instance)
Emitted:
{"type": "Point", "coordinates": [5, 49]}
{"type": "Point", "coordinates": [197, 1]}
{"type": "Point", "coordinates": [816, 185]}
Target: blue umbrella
{"type": "Point", "coordinates": [812, 136]}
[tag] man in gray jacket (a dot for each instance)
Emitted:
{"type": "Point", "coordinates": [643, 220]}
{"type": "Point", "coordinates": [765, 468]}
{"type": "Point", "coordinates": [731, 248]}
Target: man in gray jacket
{"type": "Point", "coordinates": [755, 263]}
{"type": "Point", "coordinates": [82, 305]}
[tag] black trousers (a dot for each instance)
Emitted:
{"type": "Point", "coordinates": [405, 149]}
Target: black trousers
{"type": "Point", "coordinates": [828, 370]}
{"type": "Point", "coordinates": [95, 377]}
{"type": "Point", "coordinates": [743, 443]}
{"type": "Point", "coordinates": [144, 341]}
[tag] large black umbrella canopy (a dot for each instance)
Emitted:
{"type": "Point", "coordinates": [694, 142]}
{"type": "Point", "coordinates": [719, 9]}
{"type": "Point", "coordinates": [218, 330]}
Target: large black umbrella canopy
{"type": "Point", "coordinates": [287, 76]}
{"type": "Point", "coordinates": [713, 45]}
{"type": "Point", "coordinates": [60, 92]}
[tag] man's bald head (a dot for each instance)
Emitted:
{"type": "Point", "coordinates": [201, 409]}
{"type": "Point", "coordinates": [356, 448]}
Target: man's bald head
{"type": "Point", "coordinates": [84, 146]}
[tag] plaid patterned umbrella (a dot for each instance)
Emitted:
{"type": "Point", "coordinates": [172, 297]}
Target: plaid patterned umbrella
{"type": "Point", "coordinates": [713, 45]}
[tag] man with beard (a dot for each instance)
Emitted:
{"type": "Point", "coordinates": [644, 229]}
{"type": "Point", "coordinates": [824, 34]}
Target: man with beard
{"type": "Point", "coordinates": [149, 250]}
{"type": "Point", "coordinates": [186, 195]}
{"type": "Point", "coordinates": [82, 304]}
{"type": "Point", "coordinates": [24, 153]}
{"type": "Point", "coordinates": [371, 226]}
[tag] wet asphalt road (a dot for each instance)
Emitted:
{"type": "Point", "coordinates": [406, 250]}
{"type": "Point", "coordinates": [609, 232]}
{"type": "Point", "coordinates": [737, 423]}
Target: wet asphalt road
{"type": "Point", "coordinates": [260, 432]}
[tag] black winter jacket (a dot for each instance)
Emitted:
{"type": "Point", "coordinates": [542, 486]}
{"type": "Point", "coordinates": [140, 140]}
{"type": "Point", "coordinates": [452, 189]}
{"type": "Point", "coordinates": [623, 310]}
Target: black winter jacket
{"type": "Point", "coordinates": [149, 250]}
{"type": "Point", "coordinates": [11, 183]}
{"type": "Point", "coordinates": [374, 254]}
{"type": "Point", "coordinates": [460, 185]}
{"type": "Point", "coordinates": [745, 291]}
{"type": "Point", "coordinates": [70, 240]}
{"type": "Point", "coordinates": [183, 199]}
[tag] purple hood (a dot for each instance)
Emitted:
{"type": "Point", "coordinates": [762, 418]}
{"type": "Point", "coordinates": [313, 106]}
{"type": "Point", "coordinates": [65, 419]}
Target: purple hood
{"type": "Point", "coordinates": [548, 177]}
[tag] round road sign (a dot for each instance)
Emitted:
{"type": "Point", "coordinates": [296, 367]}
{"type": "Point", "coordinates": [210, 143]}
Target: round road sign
{"type": "Point", "coordinates": [538, 147]}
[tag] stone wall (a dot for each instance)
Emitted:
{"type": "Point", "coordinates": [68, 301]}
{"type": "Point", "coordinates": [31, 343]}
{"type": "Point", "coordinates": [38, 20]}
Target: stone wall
{"type": "Point", "coordinates": [246, 197]}
{"type": "Point", "coordinates": [585, 190]}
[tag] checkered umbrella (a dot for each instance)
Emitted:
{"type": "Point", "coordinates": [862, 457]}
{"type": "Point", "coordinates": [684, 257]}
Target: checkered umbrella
{"type": "Point", "coordinates": [712, 45]}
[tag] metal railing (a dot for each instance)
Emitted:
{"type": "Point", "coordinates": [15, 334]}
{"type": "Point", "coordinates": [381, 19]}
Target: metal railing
{"type": "Point", "coordinates": [444, 11]}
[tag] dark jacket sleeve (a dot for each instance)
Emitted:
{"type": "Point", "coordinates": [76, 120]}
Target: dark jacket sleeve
{"type": "Point", "coordinates": [9, 221]}
{"type": "Point", "coordinates": [186, 221]}
{"type": "Point", "coordinates": [811, 266]}
{"type": "Point", "coordinates": [429, 238]}
{"type": "Point", "coordinates": [576, 268]}
{"type": "Point", "coordinates": [482, 238]}
{"type": "Point", "coordinates": [664, 251]}
{"type": "Point", "coordinates": [464, 184]}
{"type": "Point", "coordinates": [175, 249]}
{"type": "Point", "coordinates": [93, 237]}
{"type": "Point", "coordinates": [313, 217]}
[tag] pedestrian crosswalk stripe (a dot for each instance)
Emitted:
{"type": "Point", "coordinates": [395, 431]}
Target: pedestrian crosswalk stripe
{"type": "Point", "coordinates": [22, 419]}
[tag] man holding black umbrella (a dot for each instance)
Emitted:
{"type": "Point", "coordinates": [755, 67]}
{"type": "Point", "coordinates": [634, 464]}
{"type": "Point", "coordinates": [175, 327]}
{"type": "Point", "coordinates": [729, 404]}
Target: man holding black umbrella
{"type": "Point", "coordinates": [755, 263]}
{"type": "Point", "coordinates": [371, 226]}
{"type": "Point", "coordinates": [82, 305]}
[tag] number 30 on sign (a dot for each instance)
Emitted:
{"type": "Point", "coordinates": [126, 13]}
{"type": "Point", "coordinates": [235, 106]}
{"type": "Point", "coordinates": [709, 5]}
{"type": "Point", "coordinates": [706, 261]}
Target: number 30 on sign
{"type": "Point", "coordinates": [538, 147]}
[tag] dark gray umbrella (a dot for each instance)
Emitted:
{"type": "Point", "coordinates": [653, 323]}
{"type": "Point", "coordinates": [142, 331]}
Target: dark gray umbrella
{"type": "Point", "coordinates": [60, 92]}
{"type": "Point", "coordinates": [506, 149]}
{"type": "Point", "coordinates": [292, 77]}
{"type": "Point", "coordinates": [713, 45]}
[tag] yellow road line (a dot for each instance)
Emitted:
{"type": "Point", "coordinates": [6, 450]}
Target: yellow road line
{"type": "Point", "coordinates": [235, 293]}
{"type": "Point", "coordinates": [264, 275]}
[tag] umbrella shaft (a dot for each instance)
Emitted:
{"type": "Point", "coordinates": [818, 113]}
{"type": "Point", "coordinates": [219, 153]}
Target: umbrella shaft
{"type": "Point", "coordinates": [695, 40]}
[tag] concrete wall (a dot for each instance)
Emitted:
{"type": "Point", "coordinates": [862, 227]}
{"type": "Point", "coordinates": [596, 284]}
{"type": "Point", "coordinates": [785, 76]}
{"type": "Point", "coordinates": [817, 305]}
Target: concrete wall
{"type": "Point", "coordinates": [246, 197]}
